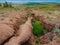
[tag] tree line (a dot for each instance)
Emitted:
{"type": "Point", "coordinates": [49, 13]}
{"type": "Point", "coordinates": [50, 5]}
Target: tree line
{"type": "Point", "coordinates": [5, 4]}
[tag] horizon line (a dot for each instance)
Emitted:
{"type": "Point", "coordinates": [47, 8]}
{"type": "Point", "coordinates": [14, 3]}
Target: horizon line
{"type": "Point", "coordinates": [28, 2]}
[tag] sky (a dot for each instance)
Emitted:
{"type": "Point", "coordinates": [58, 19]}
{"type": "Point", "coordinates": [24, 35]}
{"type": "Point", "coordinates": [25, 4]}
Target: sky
{"type": "Point", "coordinates": [24, 1]}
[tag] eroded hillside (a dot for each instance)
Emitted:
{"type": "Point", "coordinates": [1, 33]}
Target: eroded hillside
{"type": "Point", "coordinates": [29, 27]}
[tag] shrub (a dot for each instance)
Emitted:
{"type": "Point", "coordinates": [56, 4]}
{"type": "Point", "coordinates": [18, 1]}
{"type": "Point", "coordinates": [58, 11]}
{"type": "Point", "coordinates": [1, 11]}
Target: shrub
{"type": "Point", "coordinates": [5, 4]}
{"type": "Point", "coordinates": [57, 30]}
{"type": "Point", "coordinates": [38, 29]}
{"type": "Point", "coordinates": [0, 4]}
{"type": "Point", "coordinates": [49, 13]}
{"type": "Point", "coordinates": [23, 21]}
{"type": "Point", "coordinates": [31, 14]}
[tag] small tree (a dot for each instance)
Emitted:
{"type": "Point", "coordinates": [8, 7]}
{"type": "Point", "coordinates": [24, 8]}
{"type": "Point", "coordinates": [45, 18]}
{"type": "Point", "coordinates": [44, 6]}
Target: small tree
{"type": "Point", "coordinates": [7, 5]}
{"type": "Point", "coordinates": [0, 4]}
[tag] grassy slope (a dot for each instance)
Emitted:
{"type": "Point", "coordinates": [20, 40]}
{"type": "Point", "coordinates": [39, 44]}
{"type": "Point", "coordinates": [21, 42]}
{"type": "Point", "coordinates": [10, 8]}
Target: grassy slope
{"type": "Point", "coordinates": [38, 6]}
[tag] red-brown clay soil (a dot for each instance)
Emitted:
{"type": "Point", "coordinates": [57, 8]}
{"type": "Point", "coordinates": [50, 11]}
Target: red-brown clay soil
{"type": "Point", "coordinates": [24, 33]}
{"type": "Point", "coordinates": [10, 25]}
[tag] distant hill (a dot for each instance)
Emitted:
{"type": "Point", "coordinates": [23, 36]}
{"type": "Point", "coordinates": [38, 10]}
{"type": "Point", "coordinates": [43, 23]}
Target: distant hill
{"type": "Point", "coordinates": [41, 3]}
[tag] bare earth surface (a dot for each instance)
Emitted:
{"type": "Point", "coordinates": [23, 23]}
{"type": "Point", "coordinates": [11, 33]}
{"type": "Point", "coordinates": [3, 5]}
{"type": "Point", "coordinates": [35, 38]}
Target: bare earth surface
{"type": "Point", "coordinates": [10, 21]}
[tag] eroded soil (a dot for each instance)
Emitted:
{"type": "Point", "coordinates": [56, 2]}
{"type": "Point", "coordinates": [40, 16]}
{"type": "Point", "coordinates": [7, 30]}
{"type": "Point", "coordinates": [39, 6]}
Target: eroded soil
{"type": "Point", "coordinates": [13, 19]}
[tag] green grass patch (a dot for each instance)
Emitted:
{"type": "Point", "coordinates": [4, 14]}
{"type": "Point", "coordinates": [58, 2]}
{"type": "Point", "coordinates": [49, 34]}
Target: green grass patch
{"type": "Point", "coordinates": [38, 28]}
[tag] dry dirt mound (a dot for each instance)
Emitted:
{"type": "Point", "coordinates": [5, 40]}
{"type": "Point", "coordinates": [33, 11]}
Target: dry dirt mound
{"type": "Point", "coordinates": [9, 23]}
{"type": "Point", "coordinates": [23, 34]}
{"type": "Point", "coordinates": [5, 32]}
